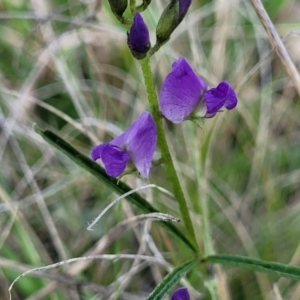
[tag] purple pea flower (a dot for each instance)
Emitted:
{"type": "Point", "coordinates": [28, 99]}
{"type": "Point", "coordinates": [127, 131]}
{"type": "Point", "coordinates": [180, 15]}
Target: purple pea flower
{"type": "Point", "coordinates": [221, 96]}
{"type": "Point", "coordinates": [184, 93]}
{"type": "Point", "coordinates": [136, 145]}
{"type": "Point", "coordinates": [138, 37]}
{"type": "Point", "coordinates": [181, 294]}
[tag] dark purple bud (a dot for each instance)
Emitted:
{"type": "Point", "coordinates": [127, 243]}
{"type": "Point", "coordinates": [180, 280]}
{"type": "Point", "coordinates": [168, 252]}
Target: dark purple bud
{"type": "Point", "coordinates": [181, 294]}
{"type": "Point", "coordinates": [138, 37]}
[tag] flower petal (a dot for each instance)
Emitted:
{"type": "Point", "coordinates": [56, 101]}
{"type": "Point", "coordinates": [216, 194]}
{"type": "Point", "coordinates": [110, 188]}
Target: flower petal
{"type": "Point", "coordinates": [216, 98]}
{"type": "Point", "coordinates": [114, 160]}
{"type": "Point", "coordinates": [231, 100]}
{"type": "Point", "coordinates": [141, 143]}
{"type": "Point", "coordinates": [181, 91]}
{"type": "Point", "coordinates": [119, 141]}
{"type": "Point", "coordinates": [181, 294]}
{"type": "Point", "coordinates": [96, 151]}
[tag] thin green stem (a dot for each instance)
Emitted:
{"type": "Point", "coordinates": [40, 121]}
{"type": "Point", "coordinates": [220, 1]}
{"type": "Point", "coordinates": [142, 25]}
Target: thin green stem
{"type": "Point", "coordinates": [208, 245]}
{"type": "Point", "coordinates": [132, 7]}
{"type": "Point", "coordinates": [211, 281]}
{"type": "Point", "coordinates": [165, 152]}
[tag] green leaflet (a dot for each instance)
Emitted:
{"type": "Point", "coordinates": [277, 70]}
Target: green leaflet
{"type": "Point", "coordinates": [171, 280]}
{"type": "Point", "coordinates": [256, 265]}
{"type": "Point", "coordinates": [117, 186]}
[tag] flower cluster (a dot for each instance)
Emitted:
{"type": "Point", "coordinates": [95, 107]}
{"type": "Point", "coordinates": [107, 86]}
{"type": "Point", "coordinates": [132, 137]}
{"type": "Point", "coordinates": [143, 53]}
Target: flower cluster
{"type": "Point", "coordinates": [184, 94]}
{"type": "Point", "coordinates": [136, 146]}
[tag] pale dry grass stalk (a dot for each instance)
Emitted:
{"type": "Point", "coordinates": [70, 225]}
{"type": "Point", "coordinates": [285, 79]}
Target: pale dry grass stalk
{"type": "Point", "coordinates": [123, 280]}
{"type": "Point", "coordinates": [93, 257]}
{"type": "Point", "coordinates": [112, 235]}
{"type": "Point", "coordinates": [62, 279]}
{"type": "Point", "coordinates": [164, 217]}
{"type": "Point", "coordinates": [275, 294]}
{"type": "Point", "coordinates": [263, 124]}
{"type": "Point", "coordinates": [277, 43]}
{"type": "Point", "coordinates": [221, 33]}
{"type": "Point", "coordinates": [27, 171]}
{"type": "Point", "coordinates": [14, 215]}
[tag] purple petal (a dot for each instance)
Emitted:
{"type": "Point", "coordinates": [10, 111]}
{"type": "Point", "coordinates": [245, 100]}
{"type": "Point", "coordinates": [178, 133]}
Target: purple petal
{"type": "Point", "coordinates": [138, 37]}
{"type": "Point", "coordinates": [216, 98]}
{"type": "Point", "coordinates": [119, 141]}
{"type": "Point", "coordinates": [114, 160]}
{"type": "Point", "coordinates": [231, 100]}
{"type": "Point", "coordinates": [181, 91]}
{"type": "Point", "coordinates": [183, 7]}
{"type": "Point", "coordinates": [96, 151]}
{"type": "Point", "coordinates": [141, 143]}
{"type": "Point", "coordinates": [181, 294]}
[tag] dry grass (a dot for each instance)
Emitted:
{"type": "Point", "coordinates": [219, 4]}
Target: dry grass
{"type": "Point", "coordinates": [66, 66]}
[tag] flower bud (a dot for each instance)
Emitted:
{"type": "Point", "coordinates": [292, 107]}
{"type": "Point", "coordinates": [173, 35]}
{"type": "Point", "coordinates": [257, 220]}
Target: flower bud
{"type": "Point", "coordinates": [138, 37]}
{"type": "Point", "coordinates": [170, 19]}
{"type": "Point", "coordinates": [118, 7]}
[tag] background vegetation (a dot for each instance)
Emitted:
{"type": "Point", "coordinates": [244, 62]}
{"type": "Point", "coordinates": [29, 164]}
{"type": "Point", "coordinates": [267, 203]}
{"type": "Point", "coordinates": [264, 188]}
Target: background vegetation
{"type": "Point", "coordinates": [65, 65]}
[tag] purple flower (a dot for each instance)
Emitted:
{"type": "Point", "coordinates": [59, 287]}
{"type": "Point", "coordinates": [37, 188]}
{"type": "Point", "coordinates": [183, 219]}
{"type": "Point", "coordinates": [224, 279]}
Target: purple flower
{"type": "Point", "coordinates": [136, 145]}
{"type": "Point", "coordinates": [138, 37]}
{"type": "Point", "coordinates": [221, 96]}
{"type": "Point", "coordinates": [181, 294]}
{"type": "Point", "coordinates": [181, 92]}
{"type": "Point", "coordinates": [184, 93]}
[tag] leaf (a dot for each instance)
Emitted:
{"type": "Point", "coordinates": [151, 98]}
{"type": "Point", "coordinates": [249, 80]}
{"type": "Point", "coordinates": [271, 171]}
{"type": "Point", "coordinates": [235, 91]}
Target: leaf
{"type": "Point", "coordinates": [171, 280]}
{"type": "Point", "coordinates": [116, 185]}
{"type": "Point", "coordinates": [282, 270]}
{"type": "Point", "coordinates": [198, 121]}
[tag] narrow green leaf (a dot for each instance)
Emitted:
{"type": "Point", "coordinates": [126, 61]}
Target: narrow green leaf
{"type": "Point", "coordinates": [116, 185]}
{"type": "Point", "coordinates": [171, 280]}
{"type": "Point", "coordinates": [198, 121]}
{"type": "Point", "coordinates": [256, 265]}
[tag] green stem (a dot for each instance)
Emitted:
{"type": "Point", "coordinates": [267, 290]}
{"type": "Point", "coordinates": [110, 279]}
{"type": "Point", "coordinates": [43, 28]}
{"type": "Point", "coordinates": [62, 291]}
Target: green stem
{"type": "Point", "coordinates": [208, 243]}
{"type": "Point", "coordinates": [165, 152]}
{"type": "Point", "coordinates": [211, 281]}
{"type": "Point", "coordinates": [132, 7]}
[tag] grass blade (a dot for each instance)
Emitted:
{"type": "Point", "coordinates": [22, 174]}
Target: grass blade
{"type": "Point", "coordinates": [117, 186]}
{"type": "Point", "coordinates": [171, 280]}
{"type": "Point", "coordinates": [282, 270]}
